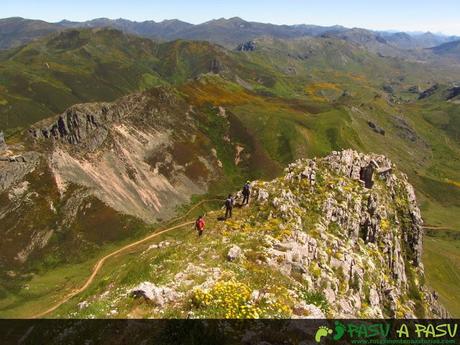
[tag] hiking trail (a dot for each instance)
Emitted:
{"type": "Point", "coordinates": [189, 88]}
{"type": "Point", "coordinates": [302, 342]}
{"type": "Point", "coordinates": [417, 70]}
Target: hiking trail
{"type": "Point", "coordinates": [101, 261]}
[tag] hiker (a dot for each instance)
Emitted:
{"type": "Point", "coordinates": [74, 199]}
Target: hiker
{"type": "Point", "coordinates": [246, 193]}
{"type": "Point", "coordinates": [199, 225]}
{"type": "Point", "coordinates": [229, 206]}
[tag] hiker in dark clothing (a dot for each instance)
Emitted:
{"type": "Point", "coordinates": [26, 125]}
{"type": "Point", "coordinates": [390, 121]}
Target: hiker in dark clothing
{"type": "Point", "coordinates": [199, 225]}
{"type": "Point", "coordinates": [246, 193]}
{"type": "Point", "coordinates": [229, 206]}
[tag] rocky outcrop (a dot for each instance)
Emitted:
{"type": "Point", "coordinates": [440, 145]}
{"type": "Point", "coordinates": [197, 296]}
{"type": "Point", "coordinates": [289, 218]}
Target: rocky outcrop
{"type": "Point", "coordinates": [303, 310]}
{"type": "Point", "coordinates": [80, 124]}
{"type": "Point", "coordinates": [247, 46]}
{"type": "Point", "coordinates": [358, 166]}
{"type": "Point", "coordinates": [2, 142]}
{"type": "Point", "coordinates": [159, 295]}
{"type": "Point", "coordinates": [405, 131]}
{"type": "Point", "coordinates": [14, 168]}
{"type": "Point", "coordinates": [414, 89]}
{"type": "Point", "coordinates": [376, 128]}
{"type": "Point", "coordinates": [376, 208]}
{"type": "Point", "coordinates": [127, 154]}
{"type": "Point", "coordinates": [453, 92]}
{"type": "Point", "coordinates": [363, 251]}
{"type": "Point", "coordinates": [234, 253]}
{"type": "Point", "coordinates": [216, 66]}
{"type": "Point", "coordinates": [326, 239]}
{"type": "Point", "coordinates": [428, 92]}
{"type": "Point", "coordinates": [88, 125]}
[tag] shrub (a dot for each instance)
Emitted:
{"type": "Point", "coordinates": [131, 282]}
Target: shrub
{"type": "Point", "coordinates": [316, 298]}
{"type": "Point", "coordinates": [232, 300]}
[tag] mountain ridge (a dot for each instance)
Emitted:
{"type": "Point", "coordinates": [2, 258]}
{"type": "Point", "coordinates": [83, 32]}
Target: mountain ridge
{"type": "Point", "coordinates": [177, 29]}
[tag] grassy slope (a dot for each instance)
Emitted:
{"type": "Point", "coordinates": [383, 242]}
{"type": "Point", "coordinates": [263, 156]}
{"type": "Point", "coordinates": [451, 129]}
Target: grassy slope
{"type": "Point", "coordinates": [160, 266]}
{"type": "Point", "coordinates": [48, 286]}
{"type": "Point", "coordinates": [46, 77]}
{"type": "Point", "coordinates": [442, 266]}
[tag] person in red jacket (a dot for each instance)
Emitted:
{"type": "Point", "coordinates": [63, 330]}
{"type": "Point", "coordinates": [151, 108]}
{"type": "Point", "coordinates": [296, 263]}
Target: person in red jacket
{"type": "Point", "coordinates": [199, 225]}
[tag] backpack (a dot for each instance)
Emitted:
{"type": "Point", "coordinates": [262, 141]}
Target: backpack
{"type": "Point", "coordinates": [199, 224]}
{"type": "Point", "coordinates": [229, 203]}
{"type": "Point", "coordinates": [246, 189]}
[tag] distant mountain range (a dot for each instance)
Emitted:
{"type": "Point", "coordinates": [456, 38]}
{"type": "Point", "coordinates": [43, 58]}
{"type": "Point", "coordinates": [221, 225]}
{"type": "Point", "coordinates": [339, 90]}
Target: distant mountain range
{"type": "Point", "coordinates": [449, 48]}
{"type": "Point", "coordinates": [17, 31]}
{"type": "Point", "coordinates": [227, 32]}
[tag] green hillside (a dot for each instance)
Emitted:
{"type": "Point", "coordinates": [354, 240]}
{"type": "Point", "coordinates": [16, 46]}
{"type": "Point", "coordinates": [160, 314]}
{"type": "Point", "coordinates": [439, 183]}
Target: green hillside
{"type": "Point", "coordinates": [47, 76]}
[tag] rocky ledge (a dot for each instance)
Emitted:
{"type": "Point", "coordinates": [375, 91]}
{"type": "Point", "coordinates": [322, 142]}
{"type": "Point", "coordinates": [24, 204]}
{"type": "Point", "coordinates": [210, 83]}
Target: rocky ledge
{"type": "Point", "coordinates": [88, 125]}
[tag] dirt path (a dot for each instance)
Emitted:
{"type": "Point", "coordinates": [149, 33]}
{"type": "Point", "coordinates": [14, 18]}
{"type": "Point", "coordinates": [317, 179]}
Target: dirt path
{"type": "Point", "coordinates": [429, 227]}
{"type": "Point", "coordinates": [101, 261]}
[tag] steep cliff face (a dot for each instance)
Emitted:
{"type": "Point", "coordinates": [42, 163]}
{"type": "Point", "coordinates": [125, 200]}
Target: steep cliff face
{"type": "Point", "coordinates": [338, 237]}
{"type": "Point", "coordinates": [97, 167]}
{"type": "Point", "coordinates": [363, 244]}
{"type": "Point", "coordinates": [142, 155]}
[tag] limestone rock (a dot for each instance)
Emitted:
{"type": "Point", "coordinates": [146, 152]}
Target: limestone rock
{"type": "Point", "coordinates": [307, 311]}
{"type": "Point", "coordinates": [357, 253]}
{"type": "Point", "coordinates": [2, 142]}
{"type": "Point", "coordinates": [159, 295]}
{"type": "Point", "coordinates": [83, 305]}
{"type": "Point", "coordinates": [234, 253]}
{"type": "Point", "coordinates": [262, 195]}
{"type": "Point", "coordinates": [376, 128]}
{"type": "Point", "coordinates": [14, 168]}
{"type": "Point", "coordinates": [255, 295]}
{"type": "Point", "coordinates": [374, 298]}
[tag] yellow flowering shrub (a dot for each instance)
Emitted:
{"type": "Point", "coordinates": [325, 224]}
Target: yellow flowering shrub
{"type": "Point", "coordinates": [232, 300]}
{"type": "Point", "coordinates": [385, 224]}
{"type": "Point", "coordinates": [315, 270]}
{"type": "Point", "coordinates": [278, 308]}
{"type": "Point", "coordinates": [283, 234]}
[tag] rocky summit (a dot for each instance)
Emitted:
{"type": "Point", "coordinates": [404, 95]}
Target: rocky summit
{"type": "Point", "coordinates": [355, 235]}
{"type": "Point", "coordinates": [339, 236]}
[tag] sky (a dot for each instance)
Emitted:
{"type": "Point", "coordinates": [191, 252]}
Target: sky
{"type": "Point", "coordinates": [440, 16]}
